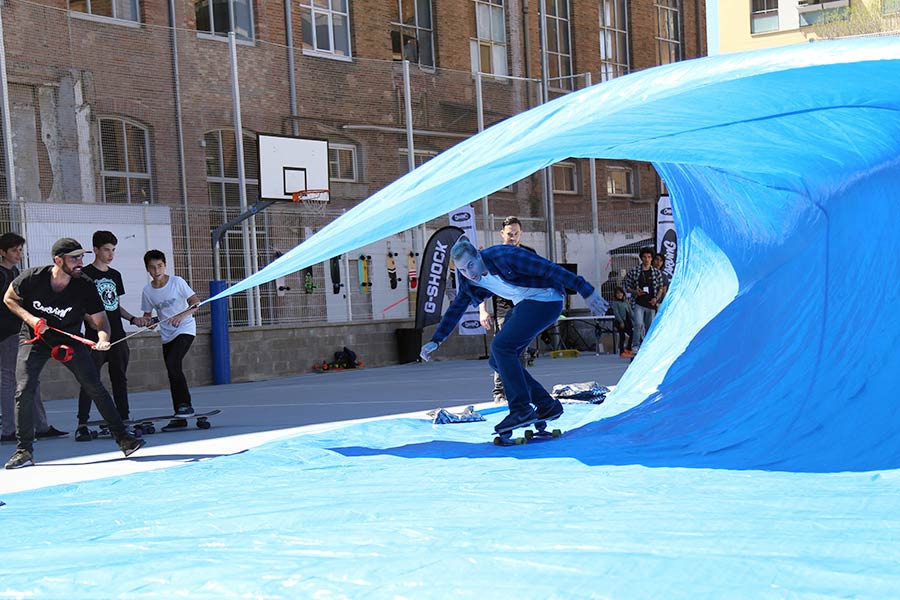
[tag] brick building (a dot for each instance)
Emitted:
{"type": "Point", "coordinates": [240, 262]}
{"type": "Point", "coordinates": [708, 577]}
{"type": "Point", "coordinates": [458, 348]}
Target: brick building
{"type": "Point", "coordinates": [130, 102]}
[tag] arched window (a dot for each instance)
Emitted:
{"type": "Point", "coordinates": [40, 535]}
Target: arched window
{"type": "Point", "coordinates": [125, 161]}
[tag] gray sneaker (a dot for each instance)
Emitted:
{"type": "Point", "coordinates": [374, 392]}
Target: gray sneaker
{"type": "Point", "coordinates": [184, 410]}
{"type": "Point", "coordinates": [129, 444]}
{"type": "Point", "coordinates": [22, 458]}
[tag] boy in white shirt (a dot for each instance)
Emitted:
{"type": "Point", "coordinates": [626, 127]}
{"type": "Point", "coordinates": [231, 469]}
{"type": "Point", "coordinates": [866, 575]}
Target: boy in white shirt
{"type": "Point", "coordinates": [170, 295]}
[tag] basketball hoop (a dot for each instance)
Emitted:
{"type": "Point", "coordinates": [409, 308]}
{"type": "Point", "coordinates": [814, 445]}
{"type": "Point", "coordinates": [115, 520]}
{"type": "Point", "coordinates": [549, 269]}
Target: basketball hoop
{"type": "Point", "coordinates": [314, 201]}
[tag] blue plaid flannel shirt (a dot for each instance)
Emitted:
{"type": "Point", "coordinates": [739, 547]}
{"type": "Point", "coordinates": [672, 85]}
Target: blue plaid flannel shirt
{"type": "Point", "coordinates": [518, 267]}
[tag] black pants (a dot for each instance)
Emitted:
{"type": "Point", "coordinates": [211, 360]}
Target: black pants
{"type": "Point", "coordinates": [627, 331]}
{"type": "Point", "coordinates": [173, 354]}
{"type": "Point", "coordinates": [117, 358]}
{"type": "Point", "coordinates": [30, 361]}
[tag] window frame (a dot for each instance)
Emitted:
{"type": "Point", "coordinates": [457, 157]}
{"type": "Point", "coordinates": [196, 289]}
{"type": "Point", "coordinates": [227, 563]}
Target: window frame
{"type": "Point", "coordinates": [894, 7]}
{"type": "Point", "coordinates": [494, 47]}
{"type": "Point", "coordinates": [424, 155]}
{"type": "Point", "coordinates": [610, 69]}
{"type": "Point", "coordinates": [764, 15]}
{"type": "Point", "coordinates": [555, 23]}
{"type": "Point", "coordinates": [572, 178]}
{"type": "Point", "coordinates": [629, 179]}
{"type": "Point", "coordinates": [668, 8]}
{"type": "Point", "coordinates": [216, 35]}
{"type": "Point", "coordinates": [135, 4]}
{"type": "Point", "coordinates": [337, 148]}
{"type": "Point", "coordinates": [128, 175]}
{"type": "Point", "coordinates": [308, 13]}
{"type": "Point", "coordinates": [221, 179]}
{"type": "Point", "coordinates": [399, 28]}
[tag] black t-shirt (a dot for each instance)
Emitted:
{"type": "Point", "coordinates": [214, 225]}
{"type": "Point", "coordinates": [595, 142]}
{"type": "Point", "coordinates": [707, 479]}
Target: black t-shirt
{"type": "Point", "coordinates": [645, 280]}
{"type": "Point", "coordinates": [64, 310]}
{"type": "Point", "coordinates": [504, 305]}
{"type": "Point", "coordinates": [10, 324]}
{"type": "Point", "coordinates": [109, 287]}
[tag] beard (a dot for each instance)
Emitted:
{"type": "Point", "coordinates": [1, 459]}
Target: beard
{"type": "Point", "coordinates": [71, 272]}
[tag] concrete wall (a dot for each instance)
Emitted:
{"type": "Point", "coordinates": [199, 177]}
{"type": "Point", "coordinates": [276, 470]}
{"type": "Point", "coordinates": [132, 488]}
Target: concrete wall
{"type": "Point", "coordinates": [262, 353]}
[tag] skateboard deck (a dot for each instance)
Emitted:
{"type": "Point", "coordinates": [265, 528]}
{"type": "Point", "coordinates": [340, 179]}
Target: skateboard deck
{"type": "Point", "coordinates": [392, 268]}
{"type": "Point", "coordinates": [336, 284]}
{"type": "Point", "coordinates": [145, 425]}
{"type": "Point", "coordinates": [413, 278]}
{"type": "Point", "coordinates": [540, 433]}
{"type": "Point", "coordinates": [363, 268]}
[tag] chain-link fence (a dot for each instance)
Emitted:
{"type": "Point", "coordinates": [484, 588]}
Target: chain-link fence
{"type": "Point", "coordinates": [116, 120]}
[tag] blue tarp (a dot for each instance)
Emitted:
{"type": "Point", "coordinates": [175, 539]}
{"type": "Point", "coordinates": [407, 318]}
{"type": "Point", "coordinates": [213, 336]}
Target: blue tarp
{"type": "Point", "coordinates": [750, 451]}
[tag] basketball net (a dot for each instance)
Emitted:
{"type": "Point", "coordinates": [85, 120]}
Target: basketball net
{"type": "Point", "coordinates": [314, 201]}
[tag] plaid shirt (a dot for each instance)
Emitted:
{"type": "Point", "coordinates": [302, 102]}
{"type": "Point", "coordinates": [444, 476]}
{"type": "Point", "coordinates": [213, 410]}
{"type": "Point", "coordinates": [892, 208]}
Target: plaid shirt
{"type": "Point", "coordinates": [518, 267]}
{"type": "Point", "coordinates": [632, 280]}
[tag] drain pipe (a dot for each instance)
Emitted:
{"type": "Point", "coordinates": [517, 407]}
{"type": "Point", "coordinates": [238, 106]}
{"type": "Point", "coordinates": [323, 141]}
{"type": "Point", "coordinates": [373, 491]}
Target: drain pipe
{"type": "Point", "coordinates": [289, 35]}
{"type": "Point", "coordinates": [7, 125]}
{"type": "Point", "coordinates": [179, 132]}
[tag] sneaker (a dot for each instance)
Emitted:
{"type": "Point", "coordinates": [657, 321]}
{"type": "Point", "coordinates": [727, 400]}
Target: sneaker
{"type": "Point", "coordinates": [8, 438]}
{"type": "Point", "coordinates": [184, 409]}
{"type": "Point", "coordinates": [83, 434]}
{"type": "Point", "coordinates": [53, 432]}
{"type": "Point", "coordinates": [516, 420]}
{"type": "Point", "coordinates": [551, 412]}
{"type": "Point", "coordinates": [499, 400]}
{"type": "Point", "coordinates": [627, 354]}
{"type": "Point", "coordinates": [175, 424]}
{"type": "Point", "coordinates": [22, 458]}
{"type": "Point", "coordinates": [130, 444]}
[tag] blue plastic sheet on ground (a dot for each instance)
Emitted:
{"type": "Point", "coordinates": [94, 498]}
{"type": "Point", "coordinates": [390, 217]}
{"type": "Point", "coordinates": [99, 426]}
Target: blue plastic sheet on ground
{"type": "Point", "coordinates": [750, 451]}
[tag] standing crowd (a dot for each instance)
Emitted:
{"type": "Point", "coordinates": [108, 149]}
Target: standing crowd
{"type": "Point", "coordinates": [41, 317]}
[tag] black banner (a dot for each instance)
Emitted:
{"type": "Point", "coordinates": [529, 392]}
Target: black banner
{"type": "Point", "coordinates": [433, 276]}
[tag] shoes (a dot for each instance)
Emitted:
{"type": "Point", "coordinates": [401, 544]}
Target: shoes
{"type": "Point", "coordinates": [551, 412]}
{"type": "Point", "coordinates": [129, 444]}
{"type": "Point", "coordinates": [514, 420]}
{"type": "Point", "coordinates": [184, 409]}
{"type": "Point", "coordinates": [627, 354]}
{"type": "Point", "coordinates": [22, 458]}
{"type": "Point", "coordinates": [175, 424]}
{"type": "Point", "coordinates": [499, 400]}
{"type": "Point", "coordinates": [53, 432]}
{"type": "Point", "coordinates": [83, 434]}
{"type": "Point", "coordinates": [8, 438]}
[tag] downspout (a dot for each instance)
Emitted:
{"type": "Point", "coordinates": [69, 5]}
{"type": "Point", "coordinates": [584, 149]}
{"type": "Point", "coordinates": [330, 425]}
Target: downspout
{"type": "Point", "coordinates": [179, 131]}
{"type": "Point", "coordinates": [527, 37]}
{"type": "Point", "coordinates": [289, 34]}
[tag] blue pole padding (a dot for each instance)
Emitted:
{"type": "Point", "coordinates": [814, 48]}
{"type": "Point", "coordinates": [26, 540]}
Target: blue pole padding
{"type": "Point", "coordinates": [221, 352]}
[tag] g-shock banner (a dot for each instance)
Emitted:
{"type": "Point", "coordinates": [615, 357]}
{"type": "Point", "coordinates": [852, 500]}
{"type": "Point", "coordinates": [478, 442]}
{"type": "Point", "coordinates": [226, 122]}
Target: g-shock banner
{"type": "Point", "coordinates": [433, 276]}
{"type": "Point", "coordinates": [666, 238]}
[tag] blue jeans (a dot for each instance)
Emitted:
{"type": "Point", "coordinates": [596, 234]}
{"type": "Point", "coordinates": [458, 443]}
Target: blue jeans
{"type": "Point", "coordinates": [522, 324]}
{"type": "Point", "coordinates": [643, 318]}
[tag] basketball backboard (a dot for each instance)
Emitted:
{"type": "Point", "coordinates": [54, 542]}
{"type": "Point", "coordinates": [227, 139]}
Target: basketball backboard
{"type": "Point", "coordinates": [290, 164]}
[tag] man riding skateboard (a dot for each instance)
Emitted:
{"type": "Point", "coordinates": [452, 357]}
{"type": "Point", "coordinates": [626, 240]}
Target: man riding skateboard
{"type": "Point", "coordinates": [537, 288]}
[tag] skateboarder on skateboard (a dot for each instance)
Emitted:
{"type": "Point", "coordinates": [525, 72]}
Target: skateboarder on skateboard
{"type": "Point", "coordinates": [536, 287]}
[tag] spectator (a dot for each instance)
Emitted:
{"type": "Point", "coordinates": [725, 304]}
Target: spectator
{"type": "Point", "coordinates": [622, 322]}
{"type": "Point", "coordinates": [645, 284]}
{"type": "Point", "coordinates": [659, 262]}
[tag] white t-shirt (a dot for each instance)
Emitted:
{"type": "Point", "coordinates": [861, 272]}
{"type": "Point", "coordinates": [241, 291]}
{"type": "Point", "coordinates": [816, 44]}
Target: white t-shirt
{"type": "Point", "coordinates": [169, 300]}
{"type": "Point", "coordinates": [504, 289]}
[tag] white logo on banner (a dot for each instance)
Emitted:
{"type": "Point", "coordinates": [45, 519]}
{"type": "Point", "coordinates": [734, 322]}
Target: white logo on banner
{"type": "Point", "coordinates": [464, 218]}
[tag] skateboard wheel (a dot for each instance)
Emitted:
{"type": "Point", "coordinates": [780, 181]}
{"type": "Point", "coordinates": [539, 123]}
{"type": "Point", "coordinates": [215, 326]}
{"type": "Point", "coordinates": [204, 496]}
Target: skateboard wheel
{"type": "Point", "coordinates": [520, 441]}
{"type": "Point", "coordinates": [529, 434]}
{"type": "Point", "coordinates": [149, 430]}
{"type": "Point", "coordinates": [203, 424]}
{"type": "Point", "coordinates": [557, 433]}
{"type": "Point", "coordinates": [138, 432]}
{"type": "Point", "coordinates": [498, 441]}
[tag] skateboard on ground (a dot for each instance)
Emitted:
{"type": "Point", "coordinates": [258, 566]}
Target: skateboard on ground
{"type": "Point", "coordinates": [363, 268]}
{"type": "Point", "coordinates": [540, 433]}
{"type": "Point", "coordinates": [146, 425]}
{"type": "Point", "coordinates": [336, 275]}
{"type": "Point", "coordinates": [392, 267]}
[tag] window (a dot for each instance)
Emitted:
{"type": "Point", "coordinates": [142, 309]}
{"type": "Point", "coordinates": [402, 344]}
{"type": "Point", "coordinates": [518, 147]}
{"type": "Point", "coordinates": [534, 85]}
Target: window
{"type": "Point", "coordinates": [763, 16]}
{"type": "Point", "coordinates": [890, 6]}
{"type": "Point", "coordinates": [342, 162]}
{"type": "Point", "coordinates": [619, 181]}
{"type": "Point", "coordinates": [326, 27]}
{"type": "Point", "coordinates": [213, 17]}
{"type": "Point", "coordinates": [488, 49]}
{"type": "Point", "coordinates": [614, 51]}
{"type": "Point", "coordinates": [124, 162]}
{"type": "Point", "coordinates": [559, 44]}
{"type": "Point", "coordinates": [817, 11]}
{"type": "Point", "coordinates": [421, 157]}
{"type": "Point", "coordinates": [126, 10]}
{"type": "Point", "coordinates": [565, 178]}
{"type": "Point", "coordinates": [222, 181]}
{"type": "Point", "coordinates": [668, 31]}
{"type": "Point", "coordinates": [412, 38]}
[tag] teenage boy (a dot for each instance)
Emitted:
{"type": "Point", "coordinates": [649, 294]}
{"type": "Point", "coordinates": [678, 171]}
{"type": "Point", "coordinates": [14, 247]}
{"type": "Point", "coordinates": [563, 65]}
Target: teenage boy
{"type": "Point", "coordinates": [537, 288]}
{"type": "Point", "coordinates": [12, 246]}
{"type": "Point", "coordinates": [110, 288]}
{"type": "Point", "coordinates": [51, 298]}
{"type": "Point", "coordinates": [169, 296]}
{"type": "Point", "coordinates": [645, 284]}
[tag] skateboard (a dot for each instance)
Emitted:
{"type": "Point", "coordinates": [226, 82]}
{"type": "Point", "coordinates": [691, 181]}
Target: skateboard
{"type": "Point", "coordinates": [309, 283]}
{"type": "Point", "coordinates": [392, 268]}
{"type": "Point", "coordinates": [145, 425]}
{"type": "Point", "coordinates": [540, 433]}
{"type": "Point", "coordinates": [336, 284]}
{"type": "Point", "coordinates": [363, 267]}
{"type": "Point", "coordinates": [413, 279]}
